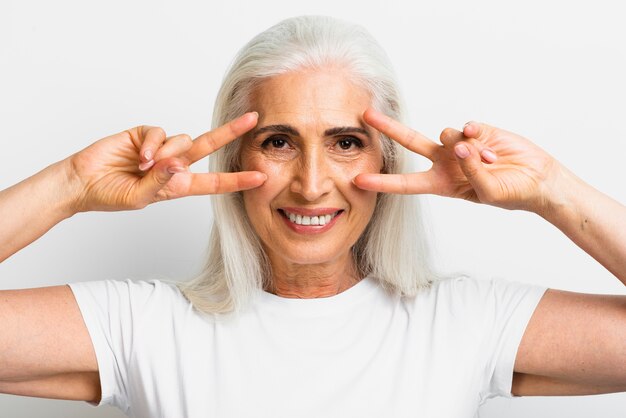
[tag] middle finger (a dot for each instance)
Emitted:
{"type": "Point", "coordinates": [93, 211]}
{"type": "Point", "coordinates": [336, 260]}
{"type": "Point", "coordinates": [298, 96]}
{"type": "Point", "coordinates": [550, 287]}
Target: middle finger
{"type": "Point", "coordinates": [405, 136]}
{"type": "Point", "coordinates": [211, 141]}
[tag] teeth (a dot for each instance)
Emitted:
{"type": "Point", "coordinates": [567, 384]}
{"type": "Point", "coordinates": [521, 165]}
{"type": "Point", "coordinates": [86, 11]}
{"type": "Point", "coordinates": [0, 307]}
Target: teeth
{"type": "Point", "coordinates": [310, 220]}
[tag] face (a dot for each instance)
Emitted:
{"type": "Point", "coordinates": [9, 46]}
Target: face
{"type": "Point", "coordinates": [311, 141]}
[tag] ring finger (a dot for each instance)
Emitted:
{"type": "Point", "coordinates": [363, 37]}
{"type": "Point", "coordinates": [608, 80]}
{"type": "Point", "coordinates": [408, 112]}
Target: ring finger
{"type": "Point", "coordinates": [450, 137]}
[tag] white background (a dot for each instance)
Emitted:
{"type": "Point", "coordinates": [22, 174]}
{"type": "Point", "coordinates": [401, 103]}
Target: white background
{"type": "Point", "coordinates": [72, 72]}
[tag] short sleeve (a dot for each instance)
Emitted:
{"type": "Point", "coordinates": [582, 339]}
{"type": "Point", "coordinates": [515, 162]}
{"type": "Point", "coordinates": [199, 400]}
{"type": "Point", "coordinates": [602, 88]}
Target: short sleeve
{"type": "Point", "coordinates": [489, 318]}
{"type": "Point", "coordinates": [506, 309]}
{"type": "Point", "coordinates": [111, 310]}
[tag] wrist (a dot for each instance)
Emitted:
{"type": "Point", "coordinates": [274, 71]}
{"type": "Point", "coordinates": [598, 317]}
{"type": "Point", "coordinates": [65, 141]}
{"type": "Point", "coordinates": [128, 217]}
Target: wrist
{"type": "Point", "coordinates": [559, 198]}
{"type": "Point", "coordinates": [70, 190]}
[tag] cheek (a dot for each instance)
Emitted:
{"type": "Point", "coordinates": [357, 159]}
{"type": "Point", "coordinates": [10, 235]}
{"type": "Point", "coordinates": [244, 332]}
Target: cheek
{"type": "Point", "coordinates": [256, 162]}
{"type": "Point", "coordinates": [258, 198]}
{"type": "Point", "coordinates": [365, 163]}
{"type": "Point", "coordinates": [367, 199]}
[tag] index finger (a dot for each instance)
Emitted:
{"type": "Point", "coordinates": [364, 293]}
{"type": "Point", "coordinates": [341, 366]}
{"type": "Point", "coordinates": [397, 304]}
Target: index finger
{"type": "Point", "coordinates": [211, 141]}
{"type": "Point", "coordinates": [218, 183]}
{"type": "Point", "coordinates": [408, 183]}
{"type": "Point", "coordinates": [405, 136]}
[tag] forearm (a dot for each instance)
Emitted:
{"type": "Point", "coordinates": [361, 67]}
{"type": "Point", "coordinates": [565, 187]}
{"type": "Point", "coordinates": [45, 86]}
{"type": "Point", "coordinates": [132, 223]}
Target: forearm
{"type": "Point", "coordinates": [594, 221]}
{"type": "Point", "coordinates": [30, 208]}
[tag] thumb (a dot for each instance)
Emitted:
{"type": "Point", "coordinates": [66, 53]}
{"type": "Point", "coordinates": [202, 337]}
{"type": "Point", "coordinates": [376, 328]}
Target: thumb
{"type": "Point", "coordinates": [478, 176]}
{"type": "Point", "coordinates": [158, 176]}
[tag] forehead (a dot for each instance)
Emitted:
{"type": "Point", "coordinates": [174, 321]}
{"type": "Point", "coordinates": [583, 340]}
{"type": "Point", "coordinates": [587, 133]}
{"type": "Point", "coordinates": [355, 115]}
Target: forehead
{"type": "Point", "coordinates": [327, 97]}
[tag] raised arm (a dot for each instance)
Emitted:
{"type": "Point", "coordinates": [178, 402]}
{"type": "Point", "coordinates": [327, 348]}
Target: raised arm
{"type": "Point", "coordinates": [591, 219]}
{"type": "Point", "coordinates": [45, 348]}
{"type": "Point", "coordinates": [124, 171]}
{"type": "Point", "coordinates": [489, 165]}
{"type": "Point", "coordinates": [575, 343]}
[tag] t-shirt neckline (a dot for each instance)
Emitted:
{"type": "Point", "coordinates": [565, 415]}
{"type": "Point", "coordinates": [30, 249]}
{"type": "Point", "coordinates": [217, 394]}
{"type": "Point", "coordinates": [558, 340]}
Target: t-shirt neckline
{"type": "Point", "coordinates": [323, 305]}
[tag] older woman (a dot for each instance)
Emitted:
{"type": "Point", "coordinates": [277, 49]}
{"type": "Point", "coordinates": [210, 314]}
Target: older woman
{"type": "Point", "coordinates": [317, 298]}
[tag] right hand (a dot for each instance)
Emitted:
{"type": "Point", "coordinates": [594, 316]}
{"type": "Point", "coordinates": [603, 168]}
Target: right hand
{"type": "Point", "coordinates": [134, 168]}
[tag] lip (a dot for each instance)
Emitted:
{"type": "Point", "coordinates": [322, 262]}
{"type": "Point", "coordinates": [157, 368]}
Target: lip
{"type": "Point", "coordinates": [310, 229]}
{"type": "Point", "coordinates": [310, 212]}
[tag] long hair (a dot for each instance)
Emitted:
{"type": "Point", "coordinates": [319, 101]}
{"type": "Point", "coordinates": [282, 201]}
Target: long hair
{"type": "Point", "coordinates": [393, 246]}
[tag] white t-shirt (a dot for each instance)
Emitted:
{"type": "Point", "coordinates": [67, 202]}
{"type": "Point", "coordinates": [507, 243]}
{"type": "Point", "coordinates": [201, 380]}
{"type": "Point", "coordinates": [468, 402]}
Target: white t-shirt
{"type": "Point", "coordinates": [362, 353]}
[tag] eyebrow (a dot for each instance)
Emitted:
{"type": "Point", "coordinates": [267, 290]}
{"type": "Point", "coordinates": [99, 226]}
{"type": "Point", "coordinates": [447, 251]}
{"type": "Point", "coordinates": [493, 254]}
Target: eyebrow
{"type": "Point", "coordinates": [341, 130]}
{"type": "Point", "coordinates": [283, 129]}
{"type": "Point", "coordinates": [288, 129]}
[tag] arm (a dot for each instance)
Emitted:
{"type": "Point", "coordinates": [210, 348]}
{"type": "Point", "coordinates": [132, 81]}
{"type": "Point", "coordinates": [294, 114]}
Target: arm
{"type": "Point", "coordinates": [488, 165]}
{"type": "Point", "coordinates": [125, 171]}
{"type": "Point", "coordinates": [591, 219]}
{"type": "Point", "coordinates": [30, 208]}
{"type": "Point", "coordinates": [45, 347]}
{"type": "Point", "coordinates": [574, 343]}
{"type": "Point", "coordinates": [594, 221]}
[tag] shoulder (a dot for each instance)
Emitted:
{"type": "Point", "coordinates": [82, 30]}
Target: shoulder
{"type": "Point", "coordinates": [465, 288]}
{"type": "Point", "coordinates": [463, 295]}
{"type": "Point", "coordinates": [130, 296]}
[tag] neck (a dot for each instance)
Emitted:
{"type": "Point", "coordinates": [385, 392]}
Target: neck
{"type": "Point", "coordinates": [308, 281]}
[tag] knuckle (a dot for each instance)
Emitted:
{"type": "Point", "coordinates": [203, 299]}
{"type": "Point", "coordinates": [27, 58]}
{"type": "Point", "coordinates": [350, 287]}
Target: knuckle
{"type": "Point", "coordinates": [157, 131]}
{"type": "Point", "coordinates": [210, 143]}
{"type": "Point", "coordinates": [470, 170]}
{"type": "Point", "coordinates": [404, 184]}
{"type": "Point", "coordinates": [162, 195]}
{"type": "Point", "coordinates": [446, 134]}
{"type": "Point", "coordinates": [477, 144]}
{"type": "Point", "coordinates": [410, 136]}
{"type": "Point", "coordinates": [217, 183]}
{"type": "Point", "coordinates": [159, 179]}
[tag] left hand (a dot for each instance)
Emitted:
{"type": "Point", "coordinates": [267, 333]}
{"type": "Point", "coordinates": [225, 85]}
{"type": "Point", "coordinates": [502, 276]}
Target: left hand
{"type": "Point", "coordinates": [481, 163]}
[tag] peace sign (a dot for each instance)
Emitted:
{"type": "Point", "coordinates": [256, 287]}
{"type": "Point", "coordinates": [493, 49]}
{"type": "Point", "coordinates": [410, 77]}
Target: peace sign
{"type": "Point", "coordinates": [481, 163]}
{"type": "Point", "coordinates": [142, 165]}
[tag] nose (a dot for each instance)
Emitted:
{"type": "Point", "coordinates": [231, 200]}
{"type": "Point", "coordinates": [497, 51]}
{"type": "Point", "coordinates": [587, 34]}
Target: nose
{"type": "Point", "coordinates": [312, 177]}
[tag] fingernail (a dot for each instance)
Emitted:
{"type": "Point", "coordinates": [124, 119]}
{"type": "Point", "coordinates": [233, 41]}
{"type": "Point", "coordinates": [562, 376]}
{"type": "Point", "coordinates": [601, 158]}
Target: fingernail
{"type": "Point", "coordinates": [146, 165]}
{"type": "Point", "coordinates": [256, 113]}
{"type": "Point", "coordinates": [461, 150]}
{"type": "Point", "coordinates": [176, 169]}
{"type": "Point", "coordinates": [489, 155]}
{"type": "Point", "coordinates": [147, 155]}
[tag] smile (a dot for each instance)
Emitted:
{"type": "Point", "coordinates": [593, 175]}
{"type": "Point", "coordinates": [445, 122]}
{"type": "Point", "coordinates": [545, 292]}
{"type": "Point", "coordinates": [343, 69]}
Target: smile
{"type": "Point", "coordinates": [300, 219]}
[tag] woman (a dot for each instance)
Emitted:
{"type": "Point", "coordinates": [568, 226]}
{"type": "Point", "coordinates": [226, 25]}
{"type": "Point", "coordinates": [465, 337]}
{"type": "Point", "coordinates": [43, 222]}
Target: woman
{"type": "Point", "coordinates": [317, 299]}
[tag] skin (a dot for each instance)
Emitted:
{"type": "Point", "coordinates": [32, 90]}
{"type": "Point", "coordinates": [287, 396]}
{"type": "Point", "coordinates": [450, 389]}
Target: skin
{"type": "Point", "coordinates": [45, 349]}
{"type": "Point", "coordinates": [309, 169]}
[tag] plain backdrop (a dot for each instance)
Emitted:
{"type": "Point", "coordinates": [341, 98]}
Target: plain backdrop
{"type": "Point", "coordinates": [72, 72]}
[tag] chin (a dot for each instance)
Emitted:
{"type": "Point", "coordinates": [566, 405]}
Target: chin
{"type": "Point", "coordinates": [308, 254]}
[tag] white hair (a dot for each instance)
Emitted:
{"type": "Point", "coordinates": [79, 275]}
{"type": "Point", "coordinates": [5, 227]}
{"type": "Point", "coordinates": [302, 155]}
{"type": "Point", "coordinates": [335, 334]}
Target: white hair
{"type": "Point", "coordinates": [393, 246]}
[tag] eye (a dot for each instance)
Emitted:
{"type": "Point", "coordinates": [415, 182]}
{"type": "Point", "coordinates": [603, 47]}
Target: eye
{"type": "Point", "coordinates": [347, 143]}
{"type": "Point", "coordinates": [275, 141]}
